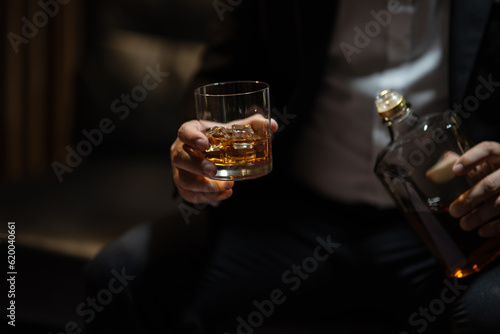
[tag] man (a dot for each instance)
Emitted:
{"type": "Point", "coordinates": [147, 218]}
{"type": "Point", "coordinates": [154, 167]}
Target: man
{"type": "Point", "coordinates": [318, 244]}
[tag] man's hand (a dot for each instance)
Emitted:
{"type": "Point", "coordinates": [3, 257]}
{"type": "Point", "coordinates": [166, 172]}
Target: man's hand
{"type": "Point", "coordinates": [479, 207]}
{"type": "Point", "coordinates": [192, 172]}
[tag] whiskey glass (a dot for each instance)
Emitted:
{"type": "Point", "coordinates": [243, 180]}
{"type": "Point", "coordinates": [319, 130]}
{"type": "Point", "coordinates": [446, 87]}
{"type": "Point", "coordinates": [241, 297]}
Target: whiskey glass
{"type": "Point", "coordinates": [236, 118]}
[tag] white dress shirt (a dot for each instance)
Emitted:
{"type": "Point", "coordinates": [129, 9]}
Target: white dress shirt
{"type": "Point", "coordinates": [375, 45]}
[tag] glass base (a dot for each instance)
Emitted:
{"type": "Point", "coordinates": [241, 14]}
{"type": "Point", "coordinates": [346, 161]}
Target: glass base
{"type": "Point", "coordinates": [242, 172]}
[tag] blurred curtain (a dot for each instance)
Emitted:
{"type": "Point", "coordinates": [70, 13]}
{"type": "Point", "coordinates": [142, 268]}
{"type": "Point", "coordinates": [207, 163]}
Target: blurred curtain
{"type": "Point", "coordinates": [41, 44]}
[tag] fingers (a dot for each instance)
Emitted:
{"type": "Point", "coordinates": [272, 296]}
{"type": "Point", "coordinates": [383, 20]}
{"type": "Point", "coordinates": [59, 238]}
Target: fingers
{"type": "Point", "coordinates": [185, 158]}
{"type": "Point", "coordinates": [490, 230]}
{"type": "Point", "coordinates": [261, 124]}
{"type": "Point", "coordinates": [191, 134]}
{"type": "Point", "coordinates": [258, 123]}
{"type": "Point", "coordinates": [479, 207]}
{"type": "Point", "coordinates": [198, 189]}
{"type": "Point", "coordinates": [191, 174]}
{"type": "Point", "coordinates": [481, 154]}
{"type": "Point", "coordinates": [274, 125]}
{"type": "Point", "coordinates": [191, 171]}
{"type": "Point", "coordinates": [484, 213]}
{"type": "Point", "coordinates": [486, 189]}
{"type": "Point", "coordinates": [186, 152]}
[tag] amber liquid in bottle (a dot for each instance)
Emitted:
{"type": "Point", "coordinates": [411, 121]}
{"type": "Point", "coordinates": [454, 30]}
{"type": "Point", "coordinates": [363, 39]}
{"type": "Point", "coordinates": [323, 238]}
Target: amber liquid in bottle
{"type": "Point", "coordinates": [461, 252]}
{"type": "Point", "coordinates": [423, 192]}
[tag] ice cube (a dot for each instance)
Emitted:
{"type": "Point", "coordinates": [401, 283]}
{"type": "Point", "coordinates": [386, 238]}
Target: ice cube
{"type": "Point", "coordinates": [244, 132]}
{"type": "Point", "coordinates": [216, 131]}
{"type": "Point", "coordinates": [242, 136]}
{"type": "Point", "coordinates": [216, 135]}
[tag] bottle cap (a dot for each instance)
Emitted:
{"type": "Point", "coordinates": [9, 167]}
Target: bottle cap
{"type": "Point", "coordinates": [389, 103]}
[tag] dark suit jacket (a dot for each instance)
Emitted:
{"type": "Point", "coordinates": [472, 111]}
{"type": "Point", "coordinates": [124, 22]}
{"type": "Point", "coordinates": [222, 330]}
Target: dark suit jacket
{"type": "Point", "coordinates": [284, 43]}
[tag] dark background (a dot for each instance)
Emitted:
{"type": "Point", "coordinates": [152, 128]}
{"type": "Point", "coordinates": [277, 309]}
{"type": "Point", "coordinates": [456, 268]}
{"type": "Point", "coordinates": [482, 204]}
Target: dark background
{"type": "Point", "coordinates": [60, 83]}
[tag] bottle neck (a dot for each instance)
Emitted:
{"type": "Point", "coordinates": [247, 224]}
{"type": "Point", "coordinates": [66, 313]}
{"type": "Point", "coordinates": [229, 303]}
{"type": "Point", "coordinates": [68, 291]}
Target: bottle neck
{"type": "Point", "coordinates": [401, 123]}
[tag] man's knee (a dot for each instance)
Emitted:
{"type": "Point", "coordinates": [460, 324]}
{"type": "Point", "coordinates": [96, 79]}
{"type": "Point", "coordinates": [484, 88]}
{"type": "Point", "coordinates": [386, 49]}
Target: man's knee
{"type": "Point", "coordinates": [128, 253]}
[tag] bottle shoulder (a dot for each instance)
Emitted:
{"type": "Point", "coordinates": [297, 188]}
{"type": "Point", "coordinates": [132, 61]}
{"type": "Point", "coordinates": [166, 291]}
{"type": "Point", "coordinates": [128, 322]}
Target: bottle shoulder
{"type": "Point", "coordinates": [422, 140]}
{"type": "Point", "coordinates": [423, 126]}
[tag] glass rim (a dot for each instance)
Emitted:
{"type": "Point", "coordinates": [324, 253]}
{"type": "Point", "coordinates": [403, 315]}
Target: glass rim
{"type": "Point", "coordinates": [197, 91]}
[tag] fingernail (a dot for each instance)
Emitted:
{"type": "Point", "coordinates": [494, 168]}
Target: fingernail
{"type": "Point", "coordinates": [209, 168]}
{"type": "Point", "coordinates": [454, 210]}
{"type": "Point", "coordinates": [458, 168]}
{"type": "Point", "coordinates": [201, 144]}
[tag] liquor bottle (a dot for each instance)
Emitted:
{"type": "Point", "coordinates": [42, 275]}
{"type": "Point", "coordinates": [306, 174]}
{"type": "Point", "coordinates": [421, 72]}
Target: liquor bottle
{"type": "Point", "coordinates": [416, 169]}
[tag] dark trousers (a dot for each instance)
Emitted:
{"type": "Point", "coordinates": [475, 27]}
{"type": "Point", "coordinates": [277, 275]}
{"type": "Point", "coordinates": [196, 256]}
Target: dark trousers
{"type": "Point", "coordinates": [287, 261]}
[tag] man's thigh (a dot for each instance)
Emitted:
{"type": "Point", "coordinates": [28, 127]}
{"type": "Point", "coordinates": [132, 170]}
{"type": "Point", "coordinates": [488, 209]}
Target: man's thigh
{"type": "Point", "coordinates": [313, 262]}
{"type": "Point", "coordinates": [304, 261]}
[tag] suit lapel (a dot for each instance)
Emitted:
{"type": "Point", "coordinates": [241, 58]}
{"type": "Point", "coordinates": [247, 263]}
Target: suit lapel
{"type": "Point", "coordinates": [468, 20]}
